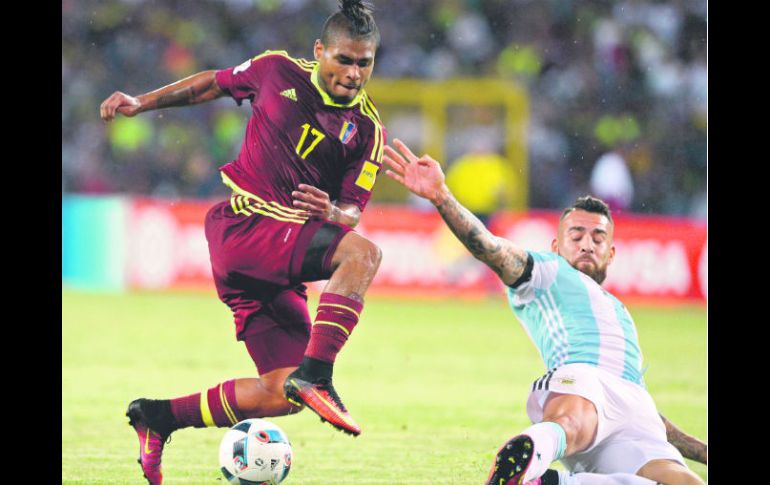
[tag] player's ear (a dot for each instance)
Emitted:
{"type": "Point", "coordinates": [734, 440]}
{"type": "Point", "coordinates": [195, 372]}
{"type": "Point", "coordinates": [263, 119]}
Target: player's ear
{"type": "Point", "coordinates": [318, 49]}
{"type": "Point", "coordinates": [555, 245]}
{"type": "Point", "coordinates": [612, 254]}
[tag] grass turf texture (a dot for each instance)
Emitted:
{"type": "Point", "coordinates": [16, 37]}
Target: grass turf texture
{"type": "Point", "coordinates": [437, 386]}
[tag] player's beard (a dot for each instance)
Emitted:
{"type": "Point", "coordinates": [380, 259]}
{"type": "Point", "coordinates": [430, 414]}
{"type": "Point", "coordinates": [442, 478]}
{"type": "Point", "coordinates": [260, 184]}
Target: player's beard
{"type": "Point", "coordinates": [597, 274]}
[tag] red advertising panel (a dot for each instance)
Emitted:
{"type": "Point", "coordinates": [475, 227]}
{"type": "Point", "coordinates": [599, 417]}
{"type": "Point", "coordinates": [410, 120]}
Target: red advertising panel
{"type": "Point", "coordinates": [167, 247]}
{"type": "Point", "coordinates": [664, 259]}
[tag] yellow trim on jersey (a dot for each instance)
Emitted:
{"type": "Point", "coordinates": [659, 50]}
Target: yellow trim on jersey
{"type": "Point", "coordinates": [325, 96]}
{"type": "Point", "coordinates": [367, 108]}
{"type": "Point", "coordinates": [373, 108]}
{"type": "Point", "coordinates": [381, 150]}
{"type": "Point", "coordinates": [335, 324]}
{"type": "Point", "coordinates": [272, 215]}
{"type": "Point", "coordinates": [285, 209]}
{"type": "Point", "coordinates": [226, 405]}
{"type": "Point", "coordinates": [301, 63]}
{"type": "Point", "coordinates": [208, 420]}
{"type": "Point", "coordinates": [341, 306]}
{"type": "Point", "coordinates": [271, 209]}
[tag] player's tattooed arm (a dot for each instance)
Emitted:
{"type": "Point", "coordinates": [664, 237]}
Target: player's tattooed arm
{"type": "Point", "coordinates": [689, 446]}
{"type": "Point", "coordinates": [194, 89]}
{"type": "Point", "coordinates": [505, 258]}
{"type": "Point", "coordinates": [424, 177]}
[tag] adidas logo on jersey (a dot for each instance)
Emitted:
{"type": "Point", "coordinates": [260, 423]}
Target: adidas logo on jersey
{"type": "Point", "coordinates": [290, 93]}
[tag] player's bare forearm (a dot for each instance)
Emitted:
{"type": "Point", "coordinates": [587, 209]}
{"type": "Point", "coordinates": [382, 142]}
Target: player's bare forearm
{"type": "Point", "coordinates": [689, 446]}
{"type": "Point", "coordinates": [196, 89]}
{"type": "Point", "coordinates": [346, 214]}
{"type": "Point", "coordinates": [316, 203]}
{"type": "Point", "coordinates": [501, 255]}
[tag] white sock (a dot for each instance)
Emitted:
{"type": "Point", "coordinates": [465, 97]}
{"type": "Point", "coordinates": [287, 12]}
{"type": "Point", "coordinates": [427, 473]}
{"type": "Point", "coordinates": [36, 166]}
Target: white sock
{"type": "Point", "coordinates": [550, 441]}
{"type": "Point", "coordinates": [567, 478]}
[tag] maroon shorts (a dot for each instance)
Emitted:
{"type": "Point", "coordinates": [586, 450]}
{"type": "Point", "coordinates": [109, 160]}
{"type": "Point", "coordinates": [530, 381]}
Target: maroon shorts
{"type": "Point", "coordinates": [259, 264]}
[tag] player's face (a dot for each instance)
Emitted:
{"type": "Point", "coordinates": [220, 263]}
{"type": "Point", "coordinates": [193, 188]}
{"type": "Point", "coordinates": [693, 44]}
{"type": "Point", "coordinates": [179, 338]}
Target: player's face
{"type": "Point", "coordinates": [345, 66]}
{"type": "Point", "coordinates": [585, 241]}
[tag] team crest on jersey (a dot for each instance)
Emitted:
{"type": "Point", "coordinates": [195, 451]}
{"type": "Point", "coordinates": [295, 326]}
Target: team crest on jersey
{"type": "Point", "coordinates": [347, 132]}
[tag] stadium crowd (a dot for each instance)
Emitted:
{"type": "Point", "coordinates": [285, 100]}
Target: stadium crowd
{"type": "Point", "coordinates": [601, 75]}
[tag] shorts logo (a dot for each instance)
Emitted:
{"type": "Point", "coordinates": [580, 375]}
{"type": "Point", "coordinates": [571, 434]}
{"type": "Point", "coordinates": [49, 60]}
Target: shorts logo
{"type": "Point", "coordinates": [565, 380]}
{"type": "Point", "coordinates": [367, 177]}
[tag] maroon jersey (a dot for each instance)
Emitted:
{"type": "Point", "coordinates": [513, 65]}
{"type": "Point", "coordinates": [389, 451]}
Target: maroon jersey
{"type": "Point", "coordinates": [298, 134]}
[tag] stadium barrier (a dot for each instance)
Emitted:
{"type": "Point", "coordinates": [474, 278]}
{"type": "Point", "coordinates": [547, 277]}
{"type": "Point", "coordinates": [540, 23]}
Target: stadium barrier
{"type": "Point", "coordinates": [123, 243]}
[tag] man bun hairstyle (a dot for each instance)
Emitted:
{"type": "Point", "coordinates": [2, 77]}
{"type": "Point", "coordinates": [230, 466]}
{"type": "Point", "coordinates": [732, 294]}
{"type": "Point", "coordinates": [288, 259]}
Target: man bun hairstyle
{"type": "Point", "coordinates": [589, 204]}
{"type": "Point", "coordinates": [355, 19]}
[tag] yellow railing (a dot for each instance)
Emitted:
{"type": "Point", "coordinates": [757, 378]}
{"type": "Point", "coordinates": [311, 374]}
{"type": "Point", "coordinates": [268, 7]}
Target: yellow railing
{"type": "Point", "coordinates": [433, 98]}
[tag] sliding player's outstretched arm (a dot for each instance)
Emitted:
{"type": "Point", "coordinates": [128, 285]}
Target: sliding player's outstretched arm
{"type": "Point", "coordinates": [423, 177]}
{"type": "Point", "coordinates": [689, 446]}
{"type": "Point", "coordinates": [194, 89]}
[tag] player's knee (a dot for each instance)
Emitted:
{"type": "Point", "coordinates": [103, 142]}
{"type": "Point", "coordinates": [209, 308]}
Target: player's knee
{"type": "Point", "coordinates": [367, 255]}
{"type": "Point", "coordinates": [578, 433]}
{"type": "Point", "coordinates": [373, 256]}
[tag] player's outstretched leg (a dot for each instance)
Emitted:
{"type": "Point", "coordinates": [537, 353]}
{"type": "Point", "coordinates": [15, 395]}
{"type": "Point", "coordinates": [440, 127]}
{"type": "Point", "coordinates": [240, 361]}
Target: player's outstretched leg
{"type": "Point", "coordinates": [552, 477]}
{"type": "Point", "coordinates": [221, 406]}
{"type": "Point", "coordinates": [512, 462]}
{"type": "Point", "coordinates": [526, 457]}
{"type": "Point", "coordinates": [353, 267]}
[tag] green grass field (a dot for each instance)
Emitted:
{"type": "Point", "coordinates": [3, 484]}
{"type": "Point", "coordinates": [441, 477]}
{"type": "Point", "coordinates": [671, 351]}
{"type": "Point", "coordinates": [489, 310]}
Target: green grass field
{"type": "Point", "coordinates": [437, 386]}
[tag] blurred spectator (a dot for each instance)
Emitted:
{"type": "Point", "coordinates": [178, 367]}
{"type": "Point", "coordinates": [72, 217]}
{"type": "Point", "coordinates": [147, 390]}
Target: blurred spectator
{"type": "Point", "coordinates": [611, 181]}
{"type": "Point", "coordinates": [583, 62]}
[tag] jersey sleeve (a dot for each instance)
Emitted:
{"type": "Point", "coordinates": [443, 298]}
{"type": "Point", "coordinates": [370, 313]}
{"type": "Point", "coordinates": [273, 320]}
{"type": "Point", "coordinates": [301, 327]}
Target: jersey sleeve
{"type": "Point", "coordinates": [544, 268]}
{"type": "Point", "coordinates": [243, 81]}
{"type": "Point", "coordinates": [361, 174]}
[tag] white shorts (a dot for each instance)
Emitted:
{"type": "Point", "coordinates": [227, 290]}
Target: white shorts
{"type": "Point", "coordinates": [630, 432]}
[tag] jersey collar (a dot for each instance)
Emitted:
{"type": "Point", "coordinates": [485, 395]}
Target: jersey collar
{"type": "Point", "coordinates": [328, 101]}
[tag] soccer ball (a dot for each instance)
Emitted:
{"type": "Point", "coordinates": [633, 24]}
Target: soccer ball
{"type": "Point", "coordinates": [255, 452]}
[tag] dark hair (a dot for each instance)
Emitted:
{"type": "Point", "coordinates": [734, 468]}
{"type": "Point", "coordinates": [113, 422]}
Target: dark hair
{"type": "Point", "coordinates": [355, 19]}
{"type": "Point", "coordinates": [589, 204]}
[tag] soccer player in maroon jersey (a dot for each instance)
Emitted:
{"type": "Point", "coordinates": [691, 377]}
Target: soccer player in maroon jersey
{"type": "Point", "coordinates": [304, 174]}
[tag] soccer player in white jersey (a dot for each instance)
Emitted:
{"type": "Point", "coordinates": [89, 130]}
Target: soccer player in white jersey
{"type": "Point", "coordinates": [591, 410]}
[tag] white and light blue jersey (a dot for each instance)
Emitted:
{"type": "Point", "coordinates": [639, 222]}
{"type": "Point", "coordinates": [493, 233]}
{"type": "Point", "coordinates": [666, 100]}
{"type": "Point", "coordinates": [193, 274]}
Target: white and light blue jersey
{"type": "Point", "coordinates": [571, 319]}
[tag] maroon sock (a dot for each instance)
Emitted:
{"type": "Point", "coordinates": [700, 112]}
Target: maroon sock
{"type": "Point", "coordinates": [215, 407]}
{"type": "Point", "coordinates": [334, 322]}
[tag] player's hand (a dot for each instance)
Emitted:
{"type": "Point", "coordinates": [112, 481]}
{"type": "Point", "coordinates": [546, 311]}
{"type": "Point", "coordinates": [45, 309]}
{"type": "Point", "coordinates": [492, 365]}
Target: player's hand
{"type": "Point", "coordinates": [313, 200]}
{"type": "Point", "coordinates": [119, 103]}
{"type": "Point", "coordinates": [422, 176]}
